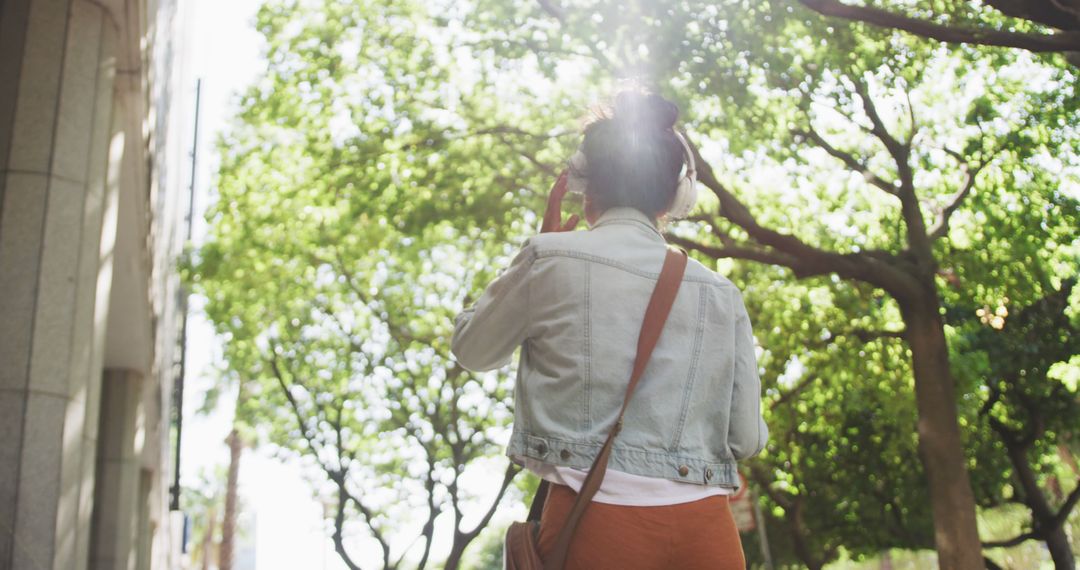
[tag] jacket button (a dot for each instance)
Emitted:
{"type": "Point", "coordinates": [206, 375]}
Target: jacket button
{"type": "Point", "coordinates": [684, 471]}
{"type": "Point", "coordinates": [565, 454]}
{"type": "Point", "coordinates": [541, 448]}
{"type": "Point", "coordinates": [708, 474]}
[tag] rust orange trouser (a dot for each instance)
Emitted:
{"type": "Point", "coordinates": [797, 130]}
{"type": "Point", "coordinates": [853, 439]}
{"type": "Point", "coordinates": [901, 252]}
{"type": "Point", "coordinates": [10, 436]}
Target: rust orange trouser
{"type": "Point", "coordinates": [691, 536]}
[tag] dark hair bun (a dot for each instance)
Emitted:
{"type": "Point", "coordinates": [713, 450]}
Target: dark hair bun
{"type": "Point", "coordinates": [639, 108]}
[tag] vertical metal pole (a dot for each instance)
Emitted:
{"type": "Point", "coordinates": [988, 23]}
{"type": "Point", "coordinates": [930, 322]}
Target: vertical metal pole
{"type": "Point", "coordinates": [194, 161]}
{"type": "Point", "coordinates": [182, 302]}
{"type": "Point", "coordinates": [766, 552]}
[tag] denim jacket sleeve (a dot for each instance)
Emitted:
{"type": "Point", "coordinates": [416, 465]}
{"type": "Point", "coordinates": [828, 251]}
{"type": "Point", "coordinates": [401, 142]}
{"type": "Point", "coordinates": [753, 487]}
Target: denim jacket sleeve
{"type": "Point", "coordinates": [747, 433]}
{"type": "Point", "coordinates": [486, 334]}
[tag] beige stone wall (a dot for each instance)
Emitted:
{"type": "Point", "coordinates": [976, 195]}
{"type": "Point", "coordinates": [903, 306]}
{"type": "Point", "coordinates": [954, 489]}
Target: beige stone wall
{"type": "Point", "coordinates": [92, 193]}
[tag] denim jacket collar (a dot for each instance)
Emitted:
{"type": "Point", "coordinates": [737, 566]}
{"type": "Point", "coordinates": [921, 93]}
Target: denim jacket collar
{"type": "Point", "coordinates": [628, 216]}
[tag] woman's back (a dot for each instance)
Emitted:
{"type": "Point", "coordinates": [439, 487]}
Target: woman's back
{"type": "Point", "coordinates": [575, 301]}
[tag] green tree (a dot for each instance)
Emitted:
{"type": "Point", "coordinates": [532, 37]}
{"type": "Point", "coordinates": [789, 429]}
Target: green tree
{"type": "Point", "coordinates": [879, 180]}
{"type": "Point", "coordinates": [885, 139]}
{"type": "Point", "coordinates": [1030, 410]}
{"type": "Point", "coordinates": [1007, 23]}
{"type": "Point", "coordinates": [840, 471]}
{"type": "Point", "coordinates": [332, 281]}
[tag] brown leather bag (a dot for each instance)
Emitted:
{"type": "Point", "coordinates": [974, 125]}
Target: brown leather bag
{"type": "Point", "coordinates": [521, 552]}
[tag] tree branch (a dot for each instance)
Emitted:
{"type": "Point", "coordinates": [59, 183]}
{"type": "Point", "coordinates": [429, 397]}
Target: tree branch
{"type": "Point", "coordinates": [369, 518]}
{"type": "Point", "coordinates": [918, 242]}
{"type": "Point", "coordinates": [758, 474]}
{"type": "Point", "coordinates": [543, 167]}
{"type": "Point", "coordinates": [734, 252]}
{"type": "Point", "coordinates": [1040, 533]}
{"type": "Point", "coordinates": [519, 132]}
{"type": "Point", "coordinates": [899, 528]}
{"type": "Point", "coordinates": [1012, 541]}
{"type": "Point", "coordinates": [511, 471]}
{"type": "Point", "coordinates": [400, 332]}
{"type": "Point", "coordinates": [848, 159]}
{"type": "Point", "coordinates": [339, 532]}
{"type": "Point", "coordinates": [1058, 42]}
{"type": "Point", "coordinates": [869, 335]}
{"type": "Point", "coordinates": [1053, 13]}
{"type": "Point", "coordinates": [863, 335]}
{"type": "Point", "coordinates": [791, 252]}
{"type": "Point", "coordinates": [335, 475]}
{"type": "Point", "coordinates": [428, 531]}
{"type": "Point", "coordinates": [534, 46]}
{"type": "Point", "coordinates": [552, 8]}
{"type": "Point", "coordinates": [294, 405]}
{"type": "Point", "coordinates": [1067, 507]}
{"type": "Point", "coordinates": [912, 123]}
{"type": "Point", "coordinates": [941, 227]}
{"type": "Point", "coordinates": [895, 146]}
{"type": "Point", "coordinates": [794, 391]}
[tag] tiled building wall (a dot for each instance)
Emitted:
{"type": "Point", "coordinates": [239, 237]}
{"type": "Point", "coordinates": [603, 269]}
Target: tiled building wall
{"type": "Point", "coordinates": [91, 196]}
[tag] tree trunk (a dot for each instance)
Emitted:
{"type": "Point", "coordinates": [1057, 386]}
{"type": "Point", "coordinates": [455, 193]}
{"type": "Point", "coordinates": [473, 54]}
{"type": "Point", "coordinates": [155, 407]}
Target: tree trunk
{"type": "Point", "coordinates": [1060, 549]}
{"type": "Point", "coordinates": [800, 537]}
{"type": "Point", "coordinates": [457, 550]}
{"type": "Point", "coordinates": [228, 524]}
{"type": "Point", "coordinates": [956, 535]}
{"type": "Point", "coordinates": [208, 538]}
{"type": "Point", "coordinates": [1041, 512]}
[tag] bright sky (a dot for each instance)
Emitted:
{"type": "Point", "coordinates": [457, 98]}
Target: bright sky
{"type": "Point", "coordinates": [223, 50]}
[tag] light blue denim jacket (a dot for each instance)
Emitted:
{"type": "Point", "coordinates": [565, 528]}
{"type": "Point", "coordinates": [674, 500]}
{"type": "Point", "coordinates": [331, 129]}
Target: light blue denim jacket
{"type": "Point", "coordinates": [574, 302]}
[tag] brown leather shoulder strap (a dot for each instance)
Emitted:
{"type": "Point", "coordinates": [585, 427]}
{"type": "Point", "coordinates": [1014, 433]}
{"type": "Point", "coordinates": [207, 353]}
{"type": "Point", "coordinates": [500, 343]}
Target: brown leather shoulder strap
{"type": "Point", "coordinates": [663, 297]}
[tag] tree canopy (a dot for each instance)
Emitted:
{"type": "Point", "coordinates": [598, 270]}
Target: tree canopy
{"type": "Point", "coordinates": [889, 205]}
{"type": "Point", "coordinates": [1035, 25]}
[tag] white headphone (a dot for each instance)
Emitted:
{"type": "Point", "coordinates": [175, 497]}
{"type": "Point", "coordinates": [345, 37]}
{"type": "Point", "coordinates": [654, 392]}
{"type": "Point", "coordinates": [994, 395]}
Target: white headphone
{"type": "Point", "coordinates": [685, 193]}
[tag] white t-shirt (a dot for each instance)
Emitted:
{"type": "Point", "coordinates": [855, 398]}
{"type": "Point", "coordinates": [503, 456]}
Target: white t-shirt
{"type": "Point", "coordinates": [625, 489]}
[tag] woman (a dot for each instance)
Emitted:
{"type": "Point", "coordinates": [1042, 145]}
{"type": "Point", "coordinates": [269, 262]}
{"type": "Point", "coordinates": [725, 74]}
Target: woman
{"type": "Point", "coordinates": [574, 302]}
